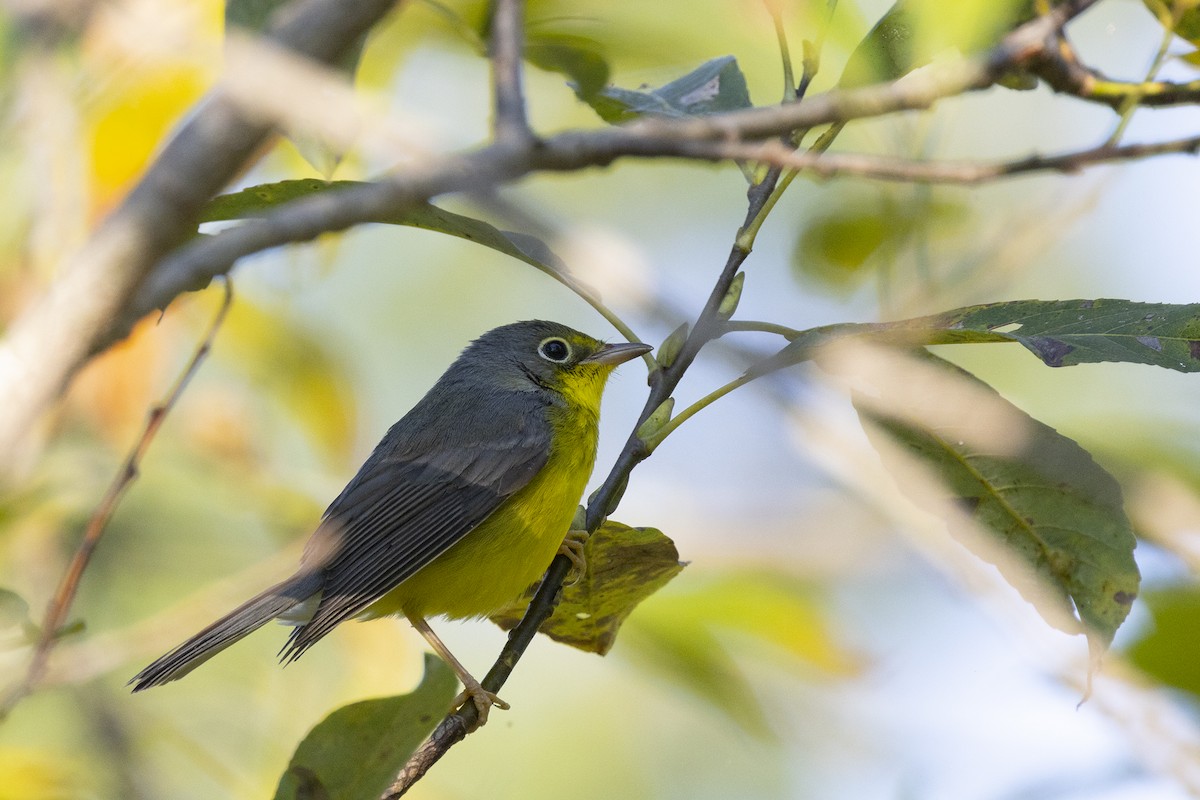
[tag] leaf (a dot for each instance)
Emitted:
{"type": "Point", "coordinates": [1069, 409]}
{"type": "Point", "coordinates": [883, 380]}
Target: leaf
{"type": "Point", "coordinates": [577, 57]}
{"type": "Point", "coordinates": [714, 86]}
{"type": "Point", "coordinates": [1022, 496]}
{"type": "Point", "coordinates": [1170, 649]}
{"type": "Point", "coordinates": [913, 32]}
{"type": "Point", "coordinates": [257, 200]}
{"type": "Point", "coordinates": [27, 773]}
{"type": "Point", "coordinates": [1062, 333]}
{"type": "Point", "coordinates": [14, 610]}
{"type": "Point", "coordinates": [355, 752]}
{"type": "Point", "coordinates": [684, 635]}
{"type": "Point", "coordinates": [17, 627]}
{"type": "Point", "coordinates": [840, 247]}
{"type": "Point", "coordinates": [1066, 332]}
{"type": "Point", "coordinates": [1181, 17]}
{"type": "Point", "coordinates": [254, 16]}
{"type": "Point", "coordinates": [297, 368]}
{"type": "Point", "coordinates": [624, 566]}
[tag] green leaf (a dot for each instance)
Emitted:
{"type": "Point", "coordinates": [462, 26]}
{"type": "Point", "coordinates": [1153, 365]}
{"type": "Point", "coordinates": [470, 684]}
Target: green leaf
{"type": "Point", "coordinates": [14, 610]}
{"type": "Point", "coordinates": [691, 636]}
{"type": "Point", "coordinates": [1181, 17]}
{"type": "Point", "coordinates": [1061, 333]}
{"type": "Point", "coordinates": [1066, 332]}
{"type": "Point", "coordinates": [257, 200]}
{"type": "Point", "coordinates": [913, 32]}
{"type": "Point", "coordinates": [1170, 649]}
{"type": "Point", "coordinates": [355, 752]}
{"type": "Point", "coordinates": [254, 16]}
{"type": "Point", "coordinates": [1021, 495]}
{"type": "Point", "coordinates": [577, 57]}
{"type": "Point", "coordinates": [297, 368]}
{"type": "Point", "coordinates": [714, 86]}
{"type": "Point", "coordinates": [624, 566]}
{"type": "Point", "coordinates": [842, 246]}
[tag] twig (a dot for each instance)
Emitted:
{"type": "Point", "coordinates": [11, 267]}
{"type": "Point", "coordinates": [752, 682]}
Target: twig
{"type": "Point", "coordinates": [811, 57]}
{"type": "Point", "coordinates": [696, 137]}
{"type": "Point", "coordinates": [1060, 67]}
{"type": "Point", "coordinates": [1130, 105]}
{"type": "Point", "coordinates": [64, 596]}
{"type": "Point", "coordinates": [947, 172]}
{"type": "Point", "coordinates": [506, 42]}
{"type": "Point", "coordinates": [785, 55]}
{"type": "Point", "coordinates": [663, 381]}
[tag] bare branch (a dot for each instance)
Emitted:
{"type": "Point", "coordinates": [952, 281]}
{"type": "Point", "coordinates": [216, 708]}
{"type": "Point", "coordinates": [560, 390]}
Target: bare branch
{"type": "Point", "coordinates": [193, 265]}
{"type": "Point", "coordinates": [510, 123]}
{"type": "Point", "coordinates": [1063, 72]}
{"type": "Point", "coordinates": [64, 596]}
{"type": "Point", "coordinates": [830, 165]}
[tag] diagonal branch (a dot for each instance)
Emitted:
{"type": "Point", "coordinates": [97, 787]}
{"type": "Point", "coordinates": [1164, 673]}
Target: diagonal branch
{"type": "Point", "coordinates": [195, 264]}
{"type": "Point", "coordinates": [51, 339]}
{"type": "Point", "coordinates": [663, 381]}
{"type": "Point", "coordinates": [64, 596]}
{"type": "Point", "coordinates": [967, 173]}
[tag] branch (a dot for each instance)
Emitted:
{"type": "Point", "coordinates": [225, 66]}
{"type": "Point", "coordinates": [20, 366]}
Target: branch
{"type": "Point", "coordinates": [968, 173]}
{"type": "Point", "coordinates": [193, 265]}
{"type": "Point", "coordinates": [709, 325]}
{"type": "Point", "coordinates": [52, 338]}
{"type": "Point", "coordinates": [509, 123]}
{"type": "Point", "coordinates": [64, 596]}
{"type": "Point", "coordinates": [1064, 73]}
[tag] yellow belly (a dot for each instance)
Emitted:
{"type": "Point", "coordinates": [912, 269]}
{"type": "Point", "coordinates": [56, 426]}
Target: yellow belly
{"type": "Point", "coordinates": [494, 563]}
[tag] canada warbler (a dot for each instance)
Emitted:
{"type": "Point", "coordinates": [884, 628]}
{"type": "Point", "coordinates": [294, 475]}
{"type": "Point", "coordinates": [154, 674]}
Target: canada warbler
{"type": "Point", "coordinates": [460, 508]}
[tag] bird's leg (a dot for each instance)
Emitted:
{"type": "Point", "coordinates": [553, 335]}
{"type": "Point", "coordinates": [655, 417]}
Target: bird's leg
{"type": "Point", "coordinates": [472, 689]}
{"type": "Point", "coordinates": [573, 548]}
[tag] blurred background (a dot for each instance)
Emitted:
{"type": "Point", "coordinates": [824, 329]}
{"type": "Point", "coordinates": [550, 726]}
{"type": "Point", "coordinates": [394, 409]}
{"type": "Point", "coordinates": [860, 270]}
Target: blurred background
{"type": "Point", "coordinates": [825, 641]}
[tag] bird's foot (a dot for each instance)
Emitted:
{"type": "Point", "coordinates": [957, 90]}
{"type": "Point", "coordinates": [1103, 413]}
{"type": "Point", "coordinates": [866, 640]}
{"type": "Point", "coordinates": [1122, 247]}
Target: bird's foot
{"type": "Point", "coordinates": [473, 692]}
{"type": "Point", "coordinates": [573, 548]}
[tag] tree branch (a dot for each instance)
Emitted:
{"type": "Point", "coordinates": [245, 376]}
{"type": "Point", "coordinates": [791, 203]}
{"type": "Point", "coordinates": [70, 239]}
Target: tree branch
{"type": "Point", "coordinates": [52, 338]}
{"type": "Point", "coordinates": [193, 265]}
{"type": "Point", "coordinates": [663, 381]}
{"type": "Point", "coordinates": [506, 42]}
{"type": "Point", "coordinates": [64, 596]}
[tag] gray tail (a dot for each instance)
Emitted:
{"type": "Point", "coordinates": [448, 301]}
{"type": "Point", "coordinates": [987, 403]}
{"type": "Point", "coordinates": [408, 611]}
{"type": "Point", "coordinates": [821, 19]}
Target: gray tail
{"type": "Point", "coordinates": [244, 620]}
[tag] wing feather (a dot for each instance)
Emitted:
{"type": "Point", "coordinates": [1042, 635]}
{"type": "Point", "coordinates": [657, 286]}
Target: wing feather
{"type": "Point", "coordinates": [406, 507]}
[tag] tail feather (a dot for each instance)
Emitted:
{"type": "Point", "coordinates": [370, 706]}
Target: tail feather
{"type": "Point", "coordinates": [245, 619]}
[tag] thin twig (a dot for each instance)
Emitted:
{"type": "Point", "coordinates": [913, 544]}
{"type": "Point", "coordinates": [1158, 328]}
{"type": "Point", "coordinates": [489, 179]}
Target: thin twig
{"type": "Point", "coordinates": [306, 218]}
{"type": "Point", "coordinates": [947, 172]}
{"type": "Point", "coordinates": [811, 58]}
{"type": "Point", "coordinates": [785, 53]}
{"type": "Point", "coordinates": [64, 596]}
{"type": "Point", "coordinates": [1130, 104]}
{"type": "Point", "coordinates": [509, 123]}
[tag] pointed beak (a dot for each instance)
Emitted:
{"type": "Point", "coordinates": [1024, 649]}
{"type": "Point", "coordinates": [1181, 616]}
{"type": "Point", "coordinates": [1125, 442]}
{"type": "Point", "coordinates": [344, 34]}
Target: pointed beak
{"type": "Point", "coordinates": [613, 354]}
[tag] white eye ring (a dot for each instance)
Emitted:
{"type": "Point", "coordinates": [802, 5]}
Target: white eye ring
{"type": "Point", "coordinates": [554, 349]}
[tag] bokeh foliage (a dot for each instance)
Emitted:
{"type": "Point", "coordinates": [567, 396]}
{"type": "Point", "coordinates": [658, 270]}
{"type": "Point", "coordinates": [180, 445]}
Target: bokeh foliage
{"type": "Point", "coordinates": [327, 346]}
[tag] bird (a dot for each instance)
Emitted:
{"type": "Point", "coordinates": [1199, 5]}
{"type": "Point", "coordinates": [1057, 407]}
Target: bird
{"type": "Point", "coordinates": [459, 509]}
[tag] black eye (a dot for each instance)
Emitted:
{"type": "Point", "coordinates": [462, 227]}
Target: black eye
{"type": "Point", "coordinates": [555, 350]}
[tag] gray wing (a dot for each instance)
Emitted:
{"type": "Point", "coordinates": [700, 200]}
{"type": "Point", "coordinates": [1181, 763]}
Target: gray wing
{"type": "Point", "coordinates": [407, 505]}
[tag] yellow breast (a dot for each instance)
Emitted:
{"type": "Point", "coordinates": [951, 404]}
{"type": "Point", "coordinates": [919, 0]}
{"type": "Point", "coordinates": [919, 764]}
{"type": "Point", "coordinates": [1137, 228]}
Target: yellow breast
{"type": "Point", "coordinates": [510, 550]}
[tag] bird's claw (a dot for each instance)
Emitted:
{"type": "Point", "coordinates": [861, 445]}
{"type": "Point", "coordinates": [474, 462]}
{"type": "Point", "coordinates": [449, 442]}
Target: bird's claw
{"type": "Point", "coordinates": [573, 548]}
{"type": "Point", "coordinates": [473, 692]}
